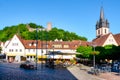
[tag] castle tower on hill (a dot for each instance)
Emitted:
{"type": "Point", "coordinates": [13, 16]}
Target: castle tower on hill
{"type": "Point", "coordinates": [102, 26]}
{"type": "Point", "coordinates": [49, 26]}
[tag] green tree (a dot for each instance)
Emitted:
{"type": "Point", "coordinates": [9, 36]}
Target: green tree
{"type": "Point", "coordinates": [33, 25]}
{"type": "Point", "coordinates": [21, 29]}
{"type": "Point", "coordinates": [85, 51]}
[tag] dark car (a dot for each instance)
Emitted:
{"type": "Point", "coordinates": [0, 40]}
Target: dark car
{"type": "Point", "coordinates": [27, 65]}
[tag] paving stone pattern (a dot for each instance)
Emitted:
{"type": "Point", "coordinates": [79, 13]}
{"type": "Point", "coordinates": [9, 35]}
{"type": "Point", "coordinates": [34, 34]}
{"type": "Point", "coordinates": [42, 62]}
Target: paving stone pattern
{"type": "Point", "coordinates": [11, 71]}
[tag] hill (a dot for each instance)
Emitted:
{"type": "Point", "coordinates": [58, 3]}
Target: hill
{"type": "Point", "coordinates": [23, 31]}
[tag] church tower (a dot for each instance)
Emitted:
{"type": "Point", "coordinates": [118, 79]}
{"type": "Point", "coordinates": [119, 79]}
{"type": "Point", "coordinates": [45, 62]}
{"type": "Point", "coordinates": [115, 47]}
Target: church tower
{"type": "Point", "coordinates": [102, 26]}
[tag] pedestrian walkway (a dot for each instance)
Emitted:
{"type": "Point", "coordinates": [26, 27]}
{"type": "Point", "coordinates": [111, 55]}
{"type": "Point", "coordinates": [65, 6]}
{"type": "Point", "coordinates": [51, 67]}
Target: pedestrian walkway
{"type": "Point", "coordinates": [101, 76]}
{"type": "Point", "coordinates": [82, 73]}
{"type": "Point", "coordinates": [110, 76]}
{"type": "Point", "coordinates": [11, 71]}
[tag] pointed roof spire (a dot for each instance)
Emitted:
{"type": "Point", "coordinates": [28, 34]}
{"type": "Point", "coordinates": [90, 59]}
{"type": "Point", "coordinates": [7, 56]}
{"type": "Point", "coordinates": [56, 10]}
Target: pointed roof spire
{"type": "Point", "coordinates": [101, 14]}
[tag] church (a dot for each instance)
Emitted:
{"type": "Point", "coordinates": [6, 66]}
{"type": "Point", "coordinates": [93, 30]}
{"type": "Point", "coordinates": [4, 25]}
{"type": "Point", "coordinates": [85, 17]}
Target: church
{"type": "Point", "coordinates": [103, 34]}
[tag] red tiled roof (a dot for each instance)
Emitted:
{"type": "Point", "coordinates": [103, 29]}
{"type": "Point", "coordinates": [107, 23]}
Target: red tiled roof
{"type": "Point", "coordinates": [71, 44]}
{"type": "Point", "coordinates": [100, 40]}
{"type": "Point", "coordinates": [117, 38]}
{"type": "Point", "coordinates": [31, 44]}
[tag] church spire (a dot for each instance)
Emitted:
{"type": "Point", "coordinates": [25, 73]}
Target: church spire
{"type": "Point", "coordinates": [102, 26]}
{"type": "Point", "coordinates": [101, 14]}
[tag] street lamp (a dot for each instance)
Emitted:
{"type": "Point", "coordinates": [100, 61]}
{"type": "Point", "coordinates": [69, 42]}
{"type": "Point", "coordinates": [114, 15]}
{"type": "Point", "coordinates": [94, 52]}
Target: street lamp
{"type": "Point", "coordinates": [94, 45]}
{"type": "Point", "coordinates": [41, 48]}
{"type": "Point", "coordinates": [36, 46]}
{"type": "Point", "coordinates": [46, 45]}
{"type": "Point", "coordinates": [53, 56]}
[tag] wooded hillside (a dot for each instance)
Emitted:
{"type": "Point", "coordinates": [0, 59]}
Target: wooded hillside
{"type": "Point", "coordinates": [23, 31]}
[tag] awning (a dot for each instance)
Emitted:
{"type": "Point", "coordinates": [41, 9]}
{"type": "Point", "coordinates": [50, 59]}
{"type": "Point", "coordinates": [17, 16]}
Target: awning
{"type": "Point", "coordinates": [44, 56]}
{"type": "Point", "coordinates": [39, 56]}
{"type": "Point", "coordinates": [13, 54]}
{"type": "Point", "coordinates": [30, 54]}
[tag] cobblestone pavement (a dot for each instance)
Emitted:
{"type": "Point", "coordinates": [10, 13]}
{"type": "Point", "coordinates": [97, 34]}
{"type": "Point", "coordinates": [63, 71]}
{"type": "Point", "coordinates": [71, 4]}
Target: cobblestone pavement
{"type": "Point", "coordinates": [106, 75]}
{"type": "Point", "coordinates": [11, 71]}
{"type": "Point", "coordinates": [110, 76]}
{"type": "Point", "coordinates": [82, 74]}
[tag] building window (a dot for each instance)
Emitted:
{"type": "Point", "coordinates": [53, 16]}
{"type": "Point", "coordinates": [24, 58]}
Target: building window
{"type": "Point", "coordinates": [14, 44]}
{"type": "Point", "coordinates": [57, 46]}
{"type": "Point", "coordinates": [28, 50]}
{"type": "Point", "coordinates": [66, 46]}
{"type": "Point", "coordinates": [9, 50]}
{"type": "Point", "coordinates": [45, 45]}
{"type": "Point", "coordinates": [33, 50]}
{"type": "Point", "coordinates": [30, 44]}
{"type": "Point", "coordinates": [105, 30]}
{"type": "Point", "coordinates": [76, 46]}
{"type": "Point", "coordinates": [16, 50]}
{"type": "Point", "coordinates": [34, 44]}
{"type": "Point", "coordinates": [98, 31]}
{"type": "Point", "coordinates": [20, 50]}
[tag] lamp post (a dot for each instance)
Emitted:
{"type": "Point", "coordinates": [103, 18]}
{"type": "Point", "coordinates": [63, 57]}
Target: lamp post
{"type": "Point", "coordinates": [41, 49]}
{"type": "Point", "coordinates": [94, 45]}
{"type": "Point", "coordinates": [46, 46]}
{"type": "Point", "coordinates": [36, 46]}
{"type": "Point", "coordinates": [53, 56]}
{"type": "Point", "coordinates": [94, 57]}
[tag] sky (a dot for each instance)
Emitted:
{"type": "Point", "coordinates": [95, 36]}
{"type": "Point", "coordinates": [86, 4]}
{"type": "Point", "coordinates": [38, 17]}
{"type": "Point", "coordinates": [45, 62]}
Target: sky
{"type": "Point", "coordinates": [78, 16]}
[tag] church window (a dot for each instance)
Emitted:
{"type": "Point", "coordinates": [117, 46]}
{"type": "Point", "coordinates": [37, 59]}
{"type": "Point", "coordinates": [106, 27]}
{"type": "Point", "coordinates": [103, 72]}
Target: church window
{"type": "Point", "coordinates": [105, 30]}
{"type": "Point", "coordinates": [98, 31]}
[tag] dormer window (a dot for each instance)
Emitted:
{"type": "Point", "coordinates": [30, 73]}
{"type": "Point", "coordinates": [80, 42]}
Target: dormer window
{"type": "Point", "coordinates": [76, 46]}
{"type": "Point", "coordinates": [66, 46]}
{"type": "Point", "coordinates": [34, 44]}
{"type": "Point", "coordinates": [30, 44]}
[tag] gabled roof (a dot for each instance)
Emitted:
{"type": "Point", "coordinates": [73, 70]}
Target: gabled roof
{"type": "Point", "coordinates": [31, 44]}
{"type": "Point", "coordinates": [99, 41]}
{"type": "Point", "coordinates": [117, 38]}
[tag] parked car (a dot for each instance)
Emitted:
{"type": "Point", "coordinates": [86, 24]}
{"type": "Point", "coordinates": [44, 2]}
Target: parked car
{"type": "Point", "coordinates": [27, 65]}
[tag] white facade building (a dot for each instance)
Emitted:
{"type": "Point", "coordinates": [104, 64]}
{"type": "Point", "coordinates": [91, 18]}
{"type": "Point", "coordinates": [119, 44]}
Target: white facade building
{"type": "Point", "coordinates": [18, 49]}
